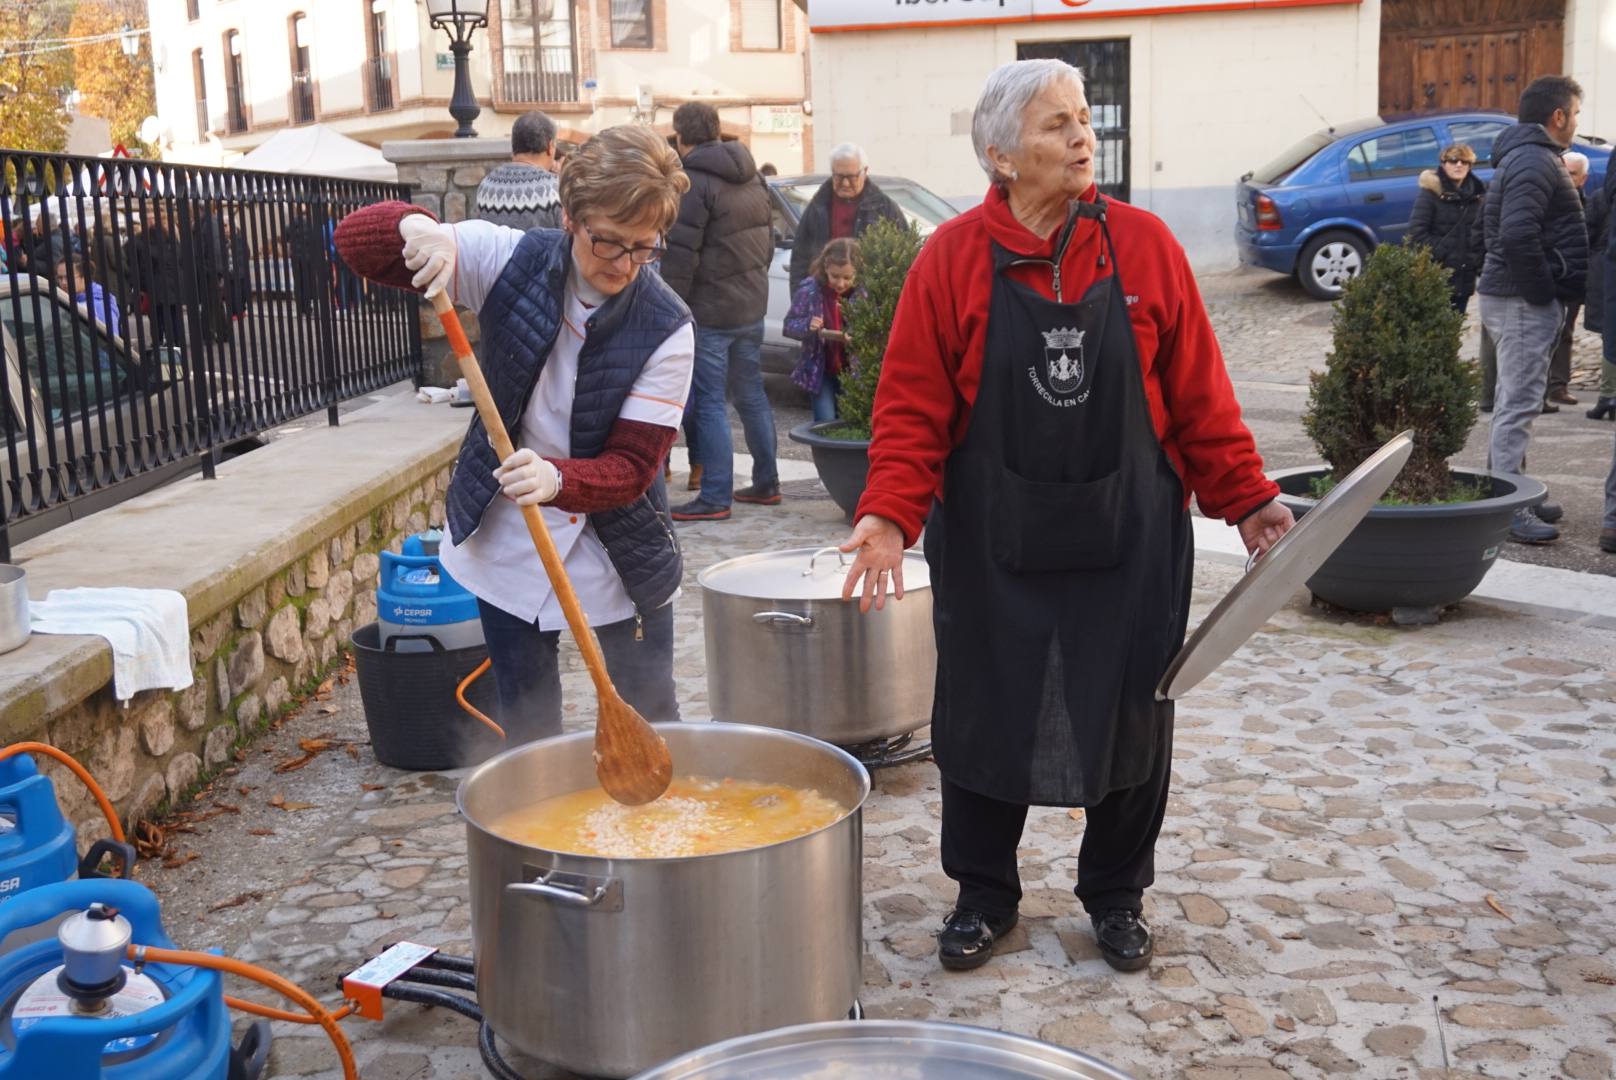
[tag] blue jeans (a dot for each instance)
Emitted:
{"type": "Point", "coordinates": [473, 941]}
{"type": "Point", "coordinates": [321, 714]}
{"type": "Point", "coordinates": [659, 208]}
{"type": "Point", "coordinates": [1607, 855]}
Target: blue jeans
{"type": "Point", "coordinates": [731, 359]}
{"type": "Point", "coordinates": [529, 681]}
{"type": "Point", "coordinates": [824, 403]}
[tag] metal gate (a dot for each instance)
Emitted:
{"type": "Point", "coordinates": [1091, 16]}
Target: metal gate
{"type": "Point", "coordinates": [1105, 82]}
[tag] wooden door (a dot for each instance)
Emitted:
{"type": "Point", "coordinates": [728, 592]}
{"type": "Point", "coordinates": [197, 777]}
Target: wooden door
{"type": "Point", "coordinates": [1477, 55]}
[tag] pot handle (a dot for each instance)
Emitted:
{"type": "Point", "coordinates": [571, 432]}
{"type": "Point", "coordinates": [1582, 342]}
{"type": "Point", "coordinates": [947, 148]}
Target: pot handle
{"type": "Point", "coordinates": [783, 618]}
{"type": "Point", "coordinates": [841, 557]}
{"type": "Point", "coordinates": [574, 890]}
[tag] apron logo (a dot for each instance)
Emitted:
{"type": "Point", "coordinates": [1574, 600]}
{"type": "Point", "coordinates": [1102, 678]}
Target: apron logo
{"type": "Point", "coordinates": [1063, 367]}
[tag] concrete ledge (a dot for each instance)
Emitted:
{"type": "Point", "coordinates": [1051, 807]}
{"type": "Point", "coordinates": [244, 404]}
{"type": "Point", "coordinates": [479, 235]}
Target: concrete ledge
{"type": "Point", "coordinates": [1541, 591]}
{"type": "Point", "coordinates": [212, 540]}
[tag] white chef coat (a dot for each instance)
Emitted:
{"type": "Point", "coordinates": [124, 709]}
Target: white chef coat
{"type": "Point", "coordinates": [497, 562]}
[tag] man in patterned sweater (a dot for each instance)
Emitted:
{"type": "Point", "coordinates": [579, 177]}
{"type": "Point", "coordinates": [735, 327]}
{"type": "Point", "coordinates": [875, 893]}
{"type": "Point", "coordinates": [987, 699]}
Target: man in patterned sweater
{"type": "Point", "coordinates": [523, 193]}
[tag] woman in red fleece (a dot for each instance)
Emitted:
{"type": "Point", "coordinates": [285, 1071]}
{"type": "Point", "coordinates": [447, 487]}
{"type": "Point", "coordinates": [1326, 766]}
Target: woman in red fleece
{"type": "Point", "coordinates": [1051, 396]}
{"type": "Point", "coordinates": [588, 358]}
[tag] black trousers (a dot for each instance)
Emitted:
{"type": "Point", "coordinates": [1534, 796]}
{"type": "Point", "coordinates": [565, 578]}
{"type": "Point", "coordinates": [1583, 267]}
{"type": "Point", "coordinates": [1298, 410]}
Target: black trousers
{"type": "Point", "coordinates": [1115, 864]}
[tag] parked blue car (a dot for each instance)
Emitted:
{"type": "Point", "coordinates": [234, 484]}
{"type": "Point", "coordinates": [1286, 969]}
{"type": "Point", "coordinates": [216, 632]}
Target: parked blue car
{"type": "Point", "coordinates": [1318, 209]}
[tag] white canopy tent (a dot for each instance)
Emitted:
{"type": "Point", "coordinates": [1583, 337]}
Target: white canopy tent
{"type": "Point", "coordinates": [317, 150]}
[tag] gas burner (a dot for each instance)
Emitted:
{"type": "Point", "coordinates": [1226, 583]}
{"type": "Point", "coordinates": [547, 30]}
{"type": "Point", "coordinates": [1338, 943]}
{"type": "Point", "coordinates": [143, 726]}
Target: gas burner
{"type": "Point", "coordinates": [885, 753]}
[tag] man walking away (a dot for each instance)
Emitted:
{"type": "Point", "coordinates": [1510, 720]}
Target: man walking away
{"type": "Point", "coordinates": [718, 262]}
{"type": "Point", "coordinates": [523, 192]}
{"type": "Point", "coordinates": [1537, 260]}
{"type": "Point", "coordinates": [845, 205]}
{"type": "Point", "coordinates": [1560, 360]}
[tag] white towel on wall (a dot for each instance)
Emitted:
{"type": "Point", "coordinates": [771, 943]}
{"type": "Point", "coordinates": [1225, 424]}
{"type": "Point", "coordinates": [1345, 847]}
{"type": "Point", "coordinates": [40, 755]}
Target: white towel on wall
{"type": "Point", "coordinates": [149, 631]}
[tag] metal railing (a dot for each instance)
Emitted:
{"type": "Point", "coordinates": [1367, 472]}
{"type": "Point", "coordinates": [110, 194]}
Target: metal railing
{"type": "Point", "coordinates": [540, 75]}
{"type": "Point", "coordinates": [235, 117]}
{"type": "Point", "coordinates": [157, 317]}
{"type": "Point", "coordinates": [203, 120]}
{"type": "Point", "coordinates": [379, 80]}
{"type": "Point", "coordinates": [302, 105]}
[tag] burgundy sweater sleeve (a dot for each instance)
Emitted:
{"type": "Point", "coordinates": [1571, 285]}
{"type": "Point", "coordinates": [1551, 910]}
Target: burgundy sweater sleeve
{"type": "Point", "coordinates": [369, 243]}
{"type": "Point", "coordinates": [623, 471]}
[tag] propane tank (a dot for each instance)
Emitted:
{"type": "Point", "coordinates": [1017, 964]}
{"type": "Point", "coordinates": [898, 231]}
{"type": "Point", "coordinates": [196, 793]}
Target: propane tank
{"type": "Point", "coordinates": [418, 603]}
{"type": "Point", "coordinates": [77, 1009]}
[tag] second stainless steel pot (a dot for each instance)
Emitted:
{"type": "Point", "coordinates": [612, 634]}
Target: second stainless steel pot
{"type": "Point", "coordinates": [785, 650]}
{"type": "Point", "coordinates": [609, 966]}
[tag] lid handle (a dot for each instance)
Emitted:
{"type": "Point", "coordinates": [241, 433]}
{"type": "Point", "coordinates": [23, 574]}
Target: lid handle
{"type": "Point", "coordinates": [841, 557]}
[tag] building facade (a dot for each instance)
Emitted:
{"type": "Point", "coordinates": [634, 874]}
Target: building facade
{"type": "Point", "coordinates": [1188, 95]}
{"type": "Point", "coordinates": [230, 73]}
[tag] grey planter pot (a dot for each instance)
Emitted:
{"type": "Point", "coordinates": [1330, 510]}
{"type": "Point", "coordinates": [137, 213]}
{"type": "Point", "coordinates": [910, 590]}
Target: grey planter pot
{"type": "Point", "coordinates": [843, 464]}
{"type": "Point", "coordinates": [1413, 559]}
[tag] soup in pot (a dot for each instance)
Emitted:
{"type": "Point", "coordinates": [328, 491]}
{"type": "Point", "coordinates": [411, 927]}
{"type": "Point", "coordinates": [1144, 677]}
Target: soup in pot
{"type": "Point", "coordinates": [696, 816]}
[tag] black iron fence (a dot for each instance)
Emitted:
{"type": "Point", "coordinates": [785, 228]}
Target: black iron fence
{"type": "Point", "coordinates": [157, 317]}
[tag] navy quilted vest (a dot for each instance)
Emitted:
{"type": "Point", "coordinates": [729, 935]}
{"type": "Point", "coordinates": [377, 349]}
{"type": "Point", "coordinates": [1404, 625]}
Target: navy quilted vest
{"type": "Point", "coordinates": [519, 322]}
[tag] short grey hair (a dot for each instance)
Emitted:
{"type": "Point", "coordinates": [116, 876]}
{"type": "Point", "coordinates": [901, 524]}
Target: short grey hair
{"type": "Point", "coordinates": [997, 120]}
{"type": "Point", "coordinates": [850, 152]}
{"type": "Point", "coordinates": [1573, 157]}
{"type": "Point", "coordinates": [533, 133]}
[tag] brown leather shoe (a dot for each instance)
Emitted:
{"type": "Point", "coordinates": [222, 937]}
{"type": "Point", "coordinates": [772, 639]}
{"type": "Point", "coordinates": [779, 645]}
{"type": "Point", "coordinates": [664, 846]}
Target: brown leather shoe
{"type": "Point", "coordinates": [694, 483]}
{"type": "Point", "coordinates": [1562, 397]}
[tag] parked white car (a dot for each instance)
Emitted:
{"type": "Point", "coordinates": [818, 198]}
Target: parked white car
{"type": "Point", "coordinates": [790, 196]}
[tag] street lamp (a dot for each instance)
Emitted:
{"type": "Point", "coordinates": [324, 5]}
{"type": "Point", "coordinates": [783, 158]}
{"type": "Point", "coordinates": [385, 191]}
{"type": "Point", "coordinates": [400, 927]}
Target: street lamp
{"type": "Point", "coordinates": [129, 41]}
{"type": "Point", "coordinates": [460, 18]}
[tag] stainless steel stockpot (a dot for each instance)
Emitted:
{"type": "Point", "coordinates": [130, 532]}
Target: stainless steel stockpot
{"type": "Point", "coordinates": [609, 966]}
{"type": "Point", "coordinates": [889, 1049]}
{"type": "Point", "coordinates": [14, 629]}
{"type": "Point", "coordinates": [785, 650]}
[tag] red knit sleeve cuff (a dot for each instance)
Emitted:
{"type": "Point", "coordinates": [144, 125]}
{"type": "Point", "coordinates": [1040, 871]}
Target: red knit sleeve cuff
{"type": "Point", "coordinates": [623, 471]}
{"type": "Point", "coordinates": [369, 243]}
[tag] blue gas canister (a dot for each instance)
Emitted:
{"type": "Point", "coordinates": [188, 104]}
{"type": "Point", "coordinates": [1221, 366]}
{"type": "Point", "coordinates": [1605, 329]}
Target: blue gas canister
{"type": "Point", "coordinates": [37, 844]}
{"type": "Point", "coordinates": [418, 602]}
{"type": "Point", "coordinates": [75, 1009]}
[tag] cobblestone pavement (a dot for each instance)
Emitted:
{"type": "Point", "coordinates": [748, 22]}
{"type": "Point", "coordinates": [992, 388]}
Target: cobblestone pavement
{"type": "Point", "coordinates": [1369, 825]}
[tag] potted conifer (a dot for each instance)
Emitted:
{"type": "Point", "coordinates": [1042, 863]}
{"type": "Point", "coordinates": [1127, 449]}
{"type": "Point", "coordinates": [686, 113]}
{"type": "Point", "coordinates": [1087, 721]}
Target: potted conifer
{"type": "Point", "coordinates": [841, 446]}
{"type": "Point", "coordinates": [1395, 366]}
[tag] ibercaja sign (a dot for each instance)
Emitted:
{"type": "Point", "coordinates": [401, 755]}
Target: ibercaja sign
{"type": "Point", "coordinates": [826, 16]}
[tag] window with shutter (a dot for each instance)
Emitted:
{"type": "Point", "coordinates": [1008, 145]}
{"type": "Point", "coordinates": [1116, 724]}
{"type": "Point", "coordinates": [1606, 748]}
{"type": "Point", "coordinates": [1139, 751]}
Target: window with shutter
{"type": "Point", "coordinates": [760, 24]}
{"type": "Point", "coordinates": [631, 24]}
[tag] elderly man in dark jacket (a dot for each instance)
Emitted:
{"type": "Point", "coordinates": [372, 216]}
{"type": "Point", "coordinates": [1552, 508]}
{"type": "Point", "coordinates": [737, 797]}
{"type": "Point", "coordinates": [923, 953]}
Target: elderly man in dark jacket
{"type": "Point", "coordinates": [845, 205]}
{"type": "Point", "coordinates": [718, 262]}
{"type": "Point", "coordinates": [1537, 261]}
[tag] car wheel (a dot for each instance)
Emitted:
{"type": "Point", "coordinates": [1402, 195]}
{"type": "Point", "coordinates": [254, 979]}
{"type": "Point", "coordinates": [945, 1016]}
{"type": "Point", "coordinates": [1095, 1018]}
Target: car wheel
{"type": "Point", "coordinates": [1329, 261]}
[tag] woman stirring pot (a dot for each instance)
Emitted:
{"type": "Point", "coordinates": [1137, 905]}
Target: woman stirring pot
{"type": "Point", "coordinates": [1052, 394]}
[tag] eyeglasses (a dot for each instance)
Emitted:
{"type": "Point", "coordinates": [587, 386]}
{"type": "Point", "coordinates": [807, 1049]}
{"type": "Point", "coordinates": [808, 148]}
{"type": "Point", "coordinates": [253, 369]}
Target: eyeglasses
{"type": "Point", "coordinates": [847, 178]}
{"type": "Point", "coordinates": [1454, 161]}
{"type": "Point", "coordinates": [611, 250]}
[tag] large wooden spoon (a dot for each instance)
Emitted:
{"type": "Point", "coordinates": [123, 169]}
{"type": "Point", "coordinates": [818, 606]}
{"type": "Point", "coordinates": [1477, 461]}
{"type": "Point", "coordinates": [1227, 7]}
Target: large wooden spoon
{"type": "Point", "coordinates": [631, 759]}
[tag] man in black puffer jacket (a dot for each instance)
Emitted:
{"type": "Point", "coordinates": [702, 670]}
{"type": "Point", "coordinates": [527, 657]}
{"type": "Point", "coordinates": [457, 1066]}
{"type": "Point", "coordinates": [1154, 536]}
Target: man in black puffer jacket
{"type": "Point", "coordinates": [1537, 260]}
{"type": "Point", "coordinates": [718, 262]}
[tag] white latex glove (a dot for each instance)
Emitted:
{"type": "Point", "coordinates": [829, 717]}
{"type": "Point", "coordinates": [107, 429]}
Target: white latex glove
{"type": "Point", "coordinates": [429, 250]}
{"type": "Point", "coordinates": [527, 479]}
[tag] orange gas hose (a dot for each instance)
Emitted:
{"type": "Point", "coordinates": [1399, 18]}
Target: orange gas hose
{"type": "Point", "coordinates": [79, 771]}
{"type": "Point", "coordinates": [460, 696]}
{"type": "Point", "coordinates": [270, 1013]}
{"type": "Point", "coordinates": [142, 954]}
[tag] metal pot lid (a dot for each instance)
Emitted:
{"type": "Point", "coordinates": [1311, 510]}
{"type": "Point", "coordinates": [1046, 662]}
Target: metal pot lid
{"type": "Point", "coordinates": [883, 1050]}
{"type": "Point", "coordinates": [1268, 585]}
{"type": "Point", "coordinates": [799, 574]}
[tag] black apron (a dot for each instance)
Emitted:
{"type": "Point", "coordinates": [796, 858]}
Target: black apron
{"type": "Point", "coordinates": [1060, 555]}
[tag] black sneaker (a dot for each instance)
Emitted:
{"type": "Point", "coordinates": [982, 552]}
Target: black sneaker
{"type": "Point", "coordinates": [697, 510]}
{"type": "Point", "coordinates": [1527, 529]}
{"type": "Point", "coordinates": [967, 939]}
{"type": "Point", "coordinates": [1548, 512]}
{"type": "Point", "coordinates": [759, 494]}
{"type": "Point", "coordinates": [1607, 541]}
{"type": "Point", "coordinates": [1124, 938]}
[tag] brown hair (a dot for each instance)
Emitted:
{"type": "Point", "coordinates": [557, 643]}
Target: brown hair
{"type": "Point", "coordinates": [627, 174]}
{"type": "Point", "coordinates": [1459, 152]}
{"type": "Point", "coordinates": [843, 251]}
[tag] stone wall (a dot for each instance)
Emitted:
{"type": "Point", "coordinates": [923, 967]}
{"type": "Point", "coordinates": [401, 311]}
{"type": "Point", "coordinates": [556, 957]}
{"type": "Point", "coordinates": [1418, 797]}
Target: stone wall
{"type": "Point", "coordinates": [252, 661]}
{"type": "Point", "coordinates": [444, 174]}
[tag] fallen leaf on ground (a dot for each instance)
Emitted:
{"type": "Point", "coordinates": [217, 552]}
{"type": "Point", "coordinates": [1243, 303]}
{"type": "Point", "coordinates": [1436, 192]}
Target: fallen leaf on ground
{"type": "Point", "coordinates": [180, 860]}
{"type": "Point", "coordinates": [150, 840]}
{"type": "Point", "coordinates": [245, 789]}
{"type": "Point", "coordinates": [1075, 813]}
{"type": "Point", "coordinates": [353, 751]}
{"type": "Point", "coordinates": [260, 832]}
{"type": "Point", "coordinates": [293, 764]}
{"type": "Point", "coordinates": [240, 755]}
{"type": "Point", "coordinates": [237, 900]}
{"type": "Point", "coordinates": [323, 689]}
{"type": "Point", "coordinates": [1492, 902]}
{"type": "Point", "coordinates": [372, 787]}
{"type": "Point", "coordinates": [280, 802]}
{"type": "Point", "coordinates": [326, 709]}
